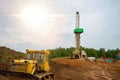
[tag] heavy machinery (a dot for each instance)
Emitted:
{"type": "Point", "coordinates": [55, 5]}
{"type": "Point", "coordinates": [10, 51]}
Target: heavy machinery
{"type": "Point", "coordinates": [36, 65]}
{"type": "Point", "coordinates": [77, 53]}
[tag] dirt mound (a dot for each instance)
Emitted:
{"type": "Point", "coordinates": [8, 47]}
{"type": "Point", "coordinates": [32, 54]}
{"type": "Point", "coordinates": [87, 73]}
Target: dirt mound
{"type": "Point", "coordinates": [75, 69]}
{"type": "Point", "coordinates": [7, 55]}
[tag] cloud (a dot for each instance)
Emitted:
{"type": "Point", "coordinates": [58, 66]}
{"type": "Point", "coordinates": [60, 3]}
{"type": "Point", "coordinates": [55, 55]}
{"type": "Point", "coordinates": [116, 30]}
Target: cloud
{"type": "Point", "coordinates": [34, 36]}
{"type": "Point", "coordinates": [100, 20]}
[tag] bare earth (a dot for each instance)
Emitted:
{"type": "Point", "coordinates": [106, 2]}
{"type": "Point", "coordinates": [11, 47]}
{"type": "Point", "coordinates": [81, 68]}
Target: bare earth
{"type": "Point", "coordinates": [67, 69]}
{"type": "Point", "coordinates": [75, 69]}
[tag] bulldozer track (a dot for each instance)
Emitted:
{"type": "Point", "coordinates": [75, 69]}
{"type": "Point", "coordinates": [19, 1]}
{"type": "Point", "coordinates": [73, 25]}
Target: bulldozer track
{"type": "Point", "coordinates": [24, 76]}
{"type": "Point", "coordinates": [17, 75]}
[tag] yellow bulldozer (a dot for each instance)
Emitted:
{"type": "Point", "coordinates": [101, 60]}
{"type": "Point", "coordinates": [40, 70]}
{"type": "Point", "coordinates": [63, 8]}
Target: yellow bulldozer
{"type": "Point", "coordinates": [36, 65]}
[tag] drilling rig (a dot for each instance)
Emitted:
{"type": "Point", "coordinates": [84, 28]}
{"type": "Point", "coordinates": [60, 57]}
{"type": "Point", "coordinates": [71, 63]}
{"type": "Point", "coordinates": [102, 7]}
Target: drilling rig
{"type": "Point", "coordinates": [77, 53]}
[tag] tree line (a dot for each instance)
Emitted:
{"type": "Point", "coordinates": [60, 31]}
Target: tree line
{"type": "Point", "coordinates": [91, 52]}
{"type": "Point", "coordinates": [7, 54]}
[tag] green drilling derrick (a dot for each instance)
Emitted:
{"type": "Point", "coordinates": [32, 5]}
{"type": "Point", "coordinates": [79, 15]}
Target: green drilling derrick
{"type": "Point", "coordinates": [77, 31]}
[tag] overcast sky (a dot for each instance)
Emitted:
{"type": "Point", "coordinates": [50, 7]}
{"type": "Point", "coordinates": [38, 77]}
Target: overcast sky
{"type": "Point", "coordinates": [99, 18]}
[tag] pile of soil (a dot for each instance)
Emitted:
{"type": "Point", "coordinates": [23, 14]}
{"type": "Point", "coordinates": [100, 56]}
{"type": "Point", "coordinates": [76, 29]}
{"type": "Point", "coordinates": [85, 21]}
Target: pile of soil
{"type": "Point", "coordinates": [75, 69]}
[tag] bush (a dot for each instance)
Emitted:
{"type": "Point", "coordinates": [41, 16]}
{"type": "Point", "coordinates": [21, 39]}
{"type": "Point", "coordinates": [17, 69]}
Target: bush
{"type": "Point", "coordinates": [3, 61]}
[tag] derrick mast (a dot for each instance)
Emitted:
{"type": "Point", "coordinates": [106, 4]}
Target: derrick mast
{"type": "Point", "coordinates": [77, 31]}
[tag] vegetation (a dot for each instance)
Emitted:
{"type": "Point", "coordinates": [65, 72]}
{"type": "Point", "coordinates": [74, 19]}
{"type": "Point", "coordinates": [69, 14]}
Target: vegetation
{"type": "Point", "coordinates": [91, 52]}
{"type": "Point", "coordinates": [61, 52]}
{"type": "Point", "coordinates": [7, 54]}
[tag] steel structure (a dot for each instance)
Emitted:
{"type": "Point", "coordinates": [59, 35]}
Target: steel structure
{"type": "Point", "coordinates": [77, 31]}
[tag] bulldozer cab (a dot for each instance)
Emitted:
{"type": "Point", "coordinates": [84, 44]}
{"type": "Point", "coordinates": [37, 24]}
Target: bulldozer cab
{"type": "Point", "coordinates": [41, 56]}
{"type": "Point", "coordinates": [35, 56]}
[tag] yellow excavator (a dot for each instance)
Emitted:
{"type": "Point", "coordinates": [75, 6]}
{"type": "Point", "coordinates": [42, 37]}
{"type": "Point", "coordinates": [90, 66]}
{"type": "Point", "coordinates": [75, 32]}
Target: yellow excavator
{"type": "Point", "coordinates": [36, 64]}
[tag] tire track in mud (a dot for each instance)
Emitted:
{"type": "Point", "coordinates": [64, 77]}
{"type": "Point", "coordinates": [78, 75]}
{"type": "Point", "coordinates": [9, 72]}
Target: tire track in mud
{"type": "Point", "coordinates": [105, 75]}
{"type": "Point", "coordinates": [99, 72]}
{"type": "Point", "coordinates": [94, 73]}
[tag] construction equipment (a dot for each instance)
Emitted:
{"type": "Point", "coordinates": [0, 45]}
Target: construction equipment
{"type": "Point", "coordinates": [77, 53]}
{"type": "Point", "coordinates": [36, 65]}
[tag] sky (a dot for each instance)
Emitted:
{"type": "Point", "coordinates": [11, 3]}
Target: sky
{"type": "Point", "coordinates": [49, 24]}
